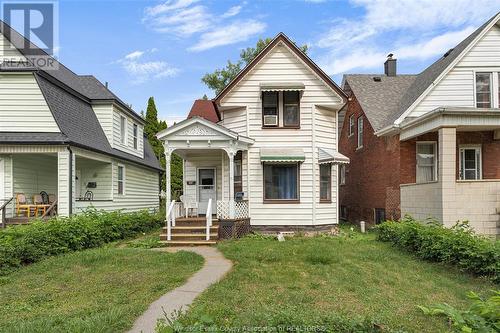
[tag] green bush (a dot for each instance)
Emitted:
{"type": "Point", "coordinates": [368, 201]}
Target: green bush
{"type": "Point", "coordinates": [482, 316]}
{"type": "Point", "coordinates": [458, 245]}
{"type": "Point", "coordinates": [20, 245]}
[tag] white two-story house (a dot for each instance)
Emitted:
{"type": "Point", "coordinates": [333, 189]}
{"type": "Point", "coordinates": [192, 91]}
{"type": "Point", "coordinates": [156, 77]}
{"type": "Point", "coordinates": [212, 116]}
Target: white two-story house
{"type": "Point", "coordinates": [70, 137]}
{"type": "Point", "coordinates": [268, 141]}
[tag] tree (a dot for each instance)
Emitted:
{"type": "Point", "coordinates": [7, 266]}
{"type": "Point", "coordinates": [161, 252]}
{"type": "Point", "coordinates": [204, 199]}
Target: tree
{"type": "Point", "coordinates": [220, 78]}
{"type": "Point", "coordinates": [151, 128]}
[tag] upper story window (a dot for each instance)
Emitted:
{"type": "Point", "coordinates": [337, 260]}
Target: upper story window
{"type": "Point", "coordinates": [270, 108]}
{"type": "Point", "coordinates": [136, 129]}
{"type": "Point", "coordinates": [351, 125]}
{"type": "Point", "coordinates": [291, 109]}
{"type": "Point", "coordinates": [426, 162]}
{"type": "Point", "coordinates": [360, 132]}
{"type": "Point", "coordinates": [123, 129]}
{"type": "Point", "coordinates": [483, 90]}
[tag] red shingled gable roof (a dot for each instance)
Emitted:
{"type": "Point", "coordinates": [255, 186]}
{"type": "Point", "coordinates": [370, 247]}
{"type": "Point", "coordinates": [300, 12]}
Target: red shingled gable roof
{"type": "Point", "coordinates": [205, 109]}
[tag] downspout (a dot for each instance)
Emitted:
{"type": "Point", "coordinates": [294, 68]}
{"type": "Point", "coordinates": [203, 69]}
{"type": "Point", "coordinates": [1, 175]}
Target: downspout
{"type": "Point", "coordinates": [70, 208]}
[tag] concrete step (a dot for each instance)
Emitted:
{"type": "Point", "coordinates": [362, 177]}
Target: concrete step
{"type": "Point", "coordinates": [188, 243]}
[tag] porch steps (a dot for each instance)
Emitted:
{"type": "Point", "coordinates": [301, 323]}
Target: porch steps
{"type": "Point", "coordinates": [190, 232]}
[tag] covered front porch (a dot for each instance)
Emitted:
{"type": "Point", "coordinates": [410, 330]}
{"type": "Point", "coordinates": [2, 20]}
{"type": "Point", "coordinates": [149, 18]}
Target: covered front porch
{"type": "Point", "coordinates": [450, 167]}
{"type": "Point", "coordinates": [215, 175]}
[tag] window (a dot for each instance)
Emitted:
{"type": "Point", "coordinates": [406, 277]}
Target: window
{"type": "Point", "coordinates": [483, 90]}
{"type": "Point", "coordinates": [351, 125]}
{"type": "Point", "coordinates": [426, 162]}
{"type": "Point", "coordinates": [135, 135]}
{"type": "Point", "coordinates": [281, 182]}
{"type": "Point", "coordinates": [291, 109]}
{"type": "Point", "coordinates": [360, 132]}
{"type": "Point", "coordinates": [342, 174]}
{"type": "Point", "coordinates": [470, 163]}
{"type": "Point", "coordinates": [238, 183]}
{"type": "Point", "coordinates": [270, 108]}
{"type": "Point", "coordinates": [325, 182]}
{"type": "Point", "coordinates": [121, 179]}
{"type": "Point", "coordinates": [123, 129]}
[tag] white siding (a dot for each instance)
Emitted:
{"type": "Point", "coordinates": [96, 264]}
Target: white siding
{"type": "Point", "coordinates": [7, 182]}
{"type": "Point", "coordinates": [457, 87]}
{"type": "Point", "coordinates": [22, 105]}
{"type": "Point", "coordinates": [128, 147]}
{"type": "Point", "coordinates": [207, 159]}
{"type": "Point", "coordinates": [8, 51]}
{"type": "Point", "coordinates": [280, 65]}
{"type": "Point", "coordinates": [34, 173]}
{"type": "Point", "coordinates": [94, 171]}
{"type": "Point", "coordinates": [104, 114]}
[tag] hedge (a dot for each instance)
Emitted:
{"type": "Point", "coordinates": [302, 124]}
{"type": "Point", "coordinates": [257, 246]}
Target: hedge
{"type": "Point", "coordinates": [25, 244]}
{"type": "Point", "coordinates": [458, 245]}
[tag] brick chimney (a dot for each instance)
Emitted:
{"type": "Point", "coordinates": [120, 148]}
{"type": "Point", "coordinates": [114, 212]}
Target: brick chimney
{"type": "Point", "coordinates": [390, 65]}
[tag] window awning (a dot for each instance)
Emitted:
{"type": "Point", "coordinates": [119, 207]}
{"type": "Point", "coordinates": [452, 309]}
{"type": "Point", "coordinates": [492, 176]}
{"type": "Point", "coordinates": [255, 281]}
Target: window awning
{"type": "Point", "coordinates": [280, 155]}
{"type": "Point", "coordinates": [282, 86]}
{"type": "Point", "coordinates": [331, 156]}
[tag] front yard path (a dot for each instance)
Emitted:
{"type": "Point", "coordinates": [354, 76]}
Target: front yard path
{"type": "Point", "coordinates": [214, 269]}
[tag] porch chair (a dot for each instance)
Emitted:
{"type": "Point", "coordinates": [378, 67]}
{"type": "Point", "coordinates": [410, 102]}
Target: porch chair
{"type": "Point", "coordinates": [39, 204]}
{"type": "Point", "coordinates": [22, 205]}
{"type": "Point", "coordinates": [52, 198]}
{"type": "Point", "coordinates": [189, 204]}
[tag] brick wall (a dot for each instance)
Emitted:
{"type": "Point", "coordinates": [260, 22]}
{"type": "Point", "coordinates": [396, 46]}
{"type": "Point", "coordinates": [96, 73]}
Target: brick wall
{"type": "Point", "coordinates": [372, 177]}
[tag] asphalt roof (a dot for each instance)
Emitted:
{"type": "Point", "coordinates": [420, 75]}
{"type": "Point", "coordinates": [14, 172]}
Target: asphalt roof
{"type": "Point", "coordinates": [205, 109]}
{"type": "Point", "coordinates": [385, 101]}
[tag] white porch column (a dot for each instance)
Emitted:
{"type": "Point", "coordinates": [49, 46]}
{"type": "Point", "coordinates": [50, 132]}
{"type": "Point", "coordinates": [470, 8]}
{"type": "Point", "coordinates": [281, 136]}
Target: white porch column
{"type": "Point", "coordinates": [447, 173]}
{"type": "Point", "coordinates": [231, 155]}
{"type": "Point", "coordinates": [168, 186]}
{"type": "Point", "coordinates": [65, 182]}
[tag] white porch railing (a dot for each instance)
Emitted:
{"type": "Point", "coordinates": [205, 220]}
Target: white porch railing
{"type": "Point", "coordinates": [170, 219]}
{"type": "Point", "coordinates": [209, 217]}
{"type": "Point", "coordinates": [241, 210]}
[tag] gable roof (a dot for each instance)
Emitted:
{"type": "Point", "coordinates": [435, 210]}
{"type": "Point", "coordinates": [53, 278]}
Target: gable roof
{"type": "Point", "coordinates": [380, 100]}
{"type": "Point", "coordinates": [85, 85]}
{"type": "Point", "coordinates": [205, 109]}
{"type": "Point", "coordinates": [281, 38]}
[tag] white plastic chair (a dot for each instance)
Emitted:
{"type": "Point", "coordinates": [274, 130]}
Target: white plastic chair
{"type": "Point", "coordinates": [189, 205]}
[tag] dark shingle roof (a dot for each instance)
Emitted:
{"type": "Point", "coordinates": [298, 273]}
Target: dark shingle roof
{"type": "Point", "coordinates": [33, 138]}
{"type": "Point", "coordinates": [379, 99]}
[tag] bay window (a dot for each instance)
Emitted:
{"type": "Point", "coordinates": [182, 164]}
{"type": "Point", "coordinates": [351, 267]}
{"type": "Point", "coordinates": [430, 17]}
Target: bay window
{"type": "Point", "coordinates": [470, 162]}
{"type": "Point", "coordinates": [325, 182]}
{"type": "Point", "coordinates": [426, 162]}
{"type": "Point", "coordinates": [483, 90]}
{"type": "Point", "coordinates": [281, 182]}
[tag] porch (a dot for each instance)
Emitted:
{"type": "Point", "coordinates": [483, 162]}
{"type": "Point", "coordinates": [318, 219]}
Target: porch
{"type": "Point", "coordinates": [450, 167]}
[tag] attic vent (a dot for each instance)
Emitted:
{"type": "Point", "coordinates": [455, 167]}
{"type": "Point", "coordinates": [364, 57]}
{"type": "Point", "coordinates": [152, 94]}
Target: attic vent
{"type": "Point", "coordinates": [447, 53]}
{"type": "Point", "coordinates": [377, 79]}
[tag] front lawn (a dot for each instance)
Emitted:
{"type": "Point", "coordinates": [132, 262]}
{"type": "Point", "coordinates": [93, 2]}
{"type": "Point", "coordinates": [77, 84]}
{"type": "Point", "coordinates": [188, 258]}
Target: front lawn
{"type": "Point", "coordinates": [99, 290]}
{"type": "Point", "coordinates": [317, 281]}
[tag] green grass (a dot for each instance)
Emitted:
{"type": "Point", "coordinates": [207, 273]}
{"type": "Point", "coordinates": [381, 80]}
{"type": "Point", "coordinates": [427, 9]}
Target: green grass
{"type": "Point", "coordinates": [310, 281]}
{"type": "Point", "coordinates": [98, 290]}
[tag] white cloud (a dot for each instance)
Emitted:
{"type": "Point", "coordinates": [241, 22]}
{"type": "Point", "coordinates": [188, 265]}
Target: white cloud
{"type": "Point", "coordinates": [410, 29]}
{"type": "Point", "coordinates": [143, 70]}
{"type": "Point", "coordinates": [236, 32]}
{"type": "Point", "coordinates": [188, 18]}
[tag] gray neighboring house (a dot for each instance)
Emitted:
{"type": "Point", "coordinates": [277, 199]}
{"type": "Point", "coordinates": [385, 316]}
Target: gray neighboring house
{"type": "Point", "coordinates": [68, 135]}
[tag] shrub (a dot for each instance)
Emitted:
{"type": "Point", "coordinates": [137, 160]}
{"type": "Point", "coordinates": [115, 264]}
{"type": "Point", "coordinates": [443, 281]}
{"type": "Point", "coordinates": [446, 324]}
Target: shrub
{"type": "Point", "coordinates": [20, 245]}
{"type": "Point", "coordinates": [458, 245]}
{"type": "Point", "coordinates": [482, 316]}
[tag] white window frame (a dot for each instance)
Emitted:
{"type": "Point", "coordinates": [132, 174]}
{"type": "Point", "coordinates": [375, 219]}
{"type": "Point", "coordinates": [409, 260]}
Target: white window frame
{"type": "Point", "coordinates": [135, 136]}
{"type": "Point", "coordinates": [123, 129]}
{"type": "Point", "coordinates": [434, 143]}
{"type": "Point", "coordinates": [351, 125]}
{"type": "Point", "coordinates": [495, 85]}
{"type": "Point", "coordinates": [360, 124]}
{"type": "Point", "coordinates": [342, 173]}
{"type": "Point", "coordinates": [479, 157]}
{"type": "Point", "coordinates": [122, 181]}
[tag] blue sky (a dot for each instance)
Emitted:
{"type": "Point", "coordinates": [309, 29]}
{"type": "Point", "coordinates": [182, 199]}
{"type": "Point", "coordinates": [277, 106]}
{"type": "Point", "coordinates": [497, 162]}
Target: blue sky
{"type": "Point", "coordinates": [163, 48]}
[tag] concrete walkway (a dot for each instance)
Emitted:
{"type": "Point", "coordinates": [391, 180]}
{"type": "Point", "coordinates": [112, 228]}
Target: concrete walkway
{"type": "Point", "coordinates": [179, 299]}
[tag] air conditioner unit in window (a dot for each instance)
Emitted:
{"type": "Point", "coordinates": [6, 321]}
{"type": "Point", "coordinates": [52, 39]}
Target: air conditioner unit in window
{"type": "Point", "coordinates": [271, 120]}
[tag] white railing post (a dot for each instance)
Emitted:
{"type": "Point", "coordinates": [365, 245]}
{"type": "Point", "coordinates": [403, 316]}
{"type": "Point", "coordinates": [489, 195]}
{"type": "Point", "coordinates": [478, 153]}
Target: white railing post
{"type": "Point", "coordinates": [209, 217]}
{"type": "Point", "coordinates": [170, 219]}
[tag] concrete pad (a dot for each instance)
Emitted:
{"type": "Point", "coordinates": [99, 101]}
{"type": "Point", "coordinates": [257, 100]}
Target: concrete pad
{"type": "Point", "coordinates": [179, 299]}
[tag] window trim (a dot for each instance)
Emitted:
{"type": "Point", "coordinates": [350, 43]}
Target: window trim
{"type": "Point", "coordinates": [492, 88]}
{"type": "Point", "coordinates": [283, 107]}
{"type": "Point", "coordinates": [327, 200]}
{"type": "Point", "coordinates": [434, 143]}
{"type": "Point", "coordinates": [352, 127]}
{"type": "Point", "coordinates": [277, 109]}
{"type": "Point", "coordinates": [360, 132]}
{"type": "Point", "coordinates": [135, 136]}
{"type": "Point", "coordinates": [478, 148]}
{"type": "Point", "coordinates": [280, 201]}
{"type": "Point", "coordinates": [123, 181]}
{"type": "Point", "coordinates": [123, 130]}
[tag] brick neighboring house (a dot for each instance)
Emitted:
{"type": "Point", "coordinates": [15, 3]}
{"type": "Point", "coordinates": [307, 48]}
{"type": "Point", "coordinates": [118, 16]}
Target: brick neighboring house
{"type": "Point", "coordinates": [428, 144]}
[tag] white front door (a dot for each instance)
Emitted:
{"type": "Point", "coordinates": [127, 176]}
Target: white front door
{"type": "Point", "coordinates": [206, 190]}
{"type": "Point", "coordinates": [470, 163]}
